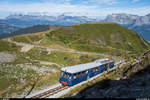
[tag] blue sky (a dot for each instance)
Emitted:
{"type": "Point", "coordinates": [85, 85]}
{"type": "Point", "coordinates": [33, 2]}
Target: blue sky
{"type": "Point", "coordinates": [90, 8]}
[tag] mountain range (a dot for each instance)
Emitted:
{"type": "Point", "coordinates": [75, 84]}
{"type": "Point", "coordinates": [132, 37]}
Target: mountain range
{"type": "Point", "coordinates": [128, 19]}
{"type": "Point", "coordinates": [30, 20]}
{"type": "Point", "coordinates": [140, 24]}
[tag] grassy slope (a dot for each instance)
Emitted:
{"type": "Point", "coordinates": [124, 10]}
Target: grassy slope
{"type": "Point", "coordinates": [111, 34]}
{"type": "Point", "coordinates": [94, 37]}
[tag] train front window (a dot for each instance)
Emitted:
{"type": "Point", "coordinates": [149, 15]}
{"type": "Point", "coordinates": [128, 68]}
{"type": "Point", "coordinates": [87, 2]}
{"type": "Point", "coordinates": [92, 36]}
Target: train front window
{"type": "Point", "coordinates": [66, 75]}
{"type": "Point", "coordinates": [69, 76]}
{"type": "Point", "coordinates": [62, 74]}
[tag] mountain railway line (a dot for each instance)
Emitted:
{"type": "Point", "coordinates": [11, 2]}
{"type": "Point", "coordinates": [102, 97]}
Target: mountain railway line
{"type": "Point", "coordinates": [50, 92]}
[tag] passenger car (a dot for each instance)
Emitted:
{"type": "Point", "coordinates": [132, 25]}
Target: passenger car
{"type": "Point", "coordinates": [72, 75]}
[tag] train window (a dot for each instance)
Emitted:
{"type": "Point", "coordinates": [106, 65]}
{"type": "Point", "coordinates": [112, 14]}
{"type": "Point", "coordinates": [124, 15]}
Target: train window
{"type": "Point", "coordinates": [69, 76]}
{"type": "Point", "coordinates": [62, 74]}
{"type": "Point", "coordinates": [65, 75]}
{"type": "Point", "coordinates": [79, 74]}
{"type": "Point", "coordinates": [83, 73]}
{"type": "Point", "coordinates": [86, 71]}
{"type": "Point", "coordinates": [93, 69]}
{"type": "Point", "coordinates": [75, 75]}
{"type": "Point", "coordinates": [97, 68]}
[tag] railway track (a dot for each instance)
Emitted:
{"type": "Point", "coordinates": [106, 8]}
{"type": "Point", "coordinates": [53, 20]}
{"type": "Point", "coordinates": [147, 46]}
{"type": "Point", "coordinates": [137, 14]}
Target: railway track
{"type": "Point", "coordinates": [50, 92]}
{"type": "Point", "coordinates": [54, 90]}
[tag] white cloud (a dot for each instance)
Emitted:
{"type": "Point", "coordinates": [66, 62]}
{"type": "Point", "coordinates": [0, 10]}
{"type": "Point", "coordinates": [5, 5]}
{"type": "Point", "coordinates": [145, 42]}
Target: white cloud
{"type": "Point", "coordinates": [46, 7]}
{"type": "Point", "coordinates": [79, 10]}
{"type": "Point", "coordinates": [108, 2]}
{"type": "Point", "coordinates": [135, 1]}
{"type": "Point", "coordinates": [105, 2]}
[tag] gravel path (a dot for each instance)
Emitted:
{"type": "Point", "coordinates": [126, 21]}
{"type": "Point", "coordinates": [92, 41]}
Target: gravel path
{"type": "Point", "coordinates": [26, 46]}
{"type": "Point", "coordinates": [49, 63]}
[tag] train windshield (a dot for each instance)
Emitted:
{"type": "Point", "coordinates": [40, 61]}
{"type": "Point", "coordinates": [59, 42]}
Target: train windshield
{"type": "Point", "coordinates": [66, 75]}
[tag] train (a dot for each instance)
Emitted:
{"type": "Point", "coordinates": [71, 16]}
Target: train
{"type": "Point", "coordinates": [72, 75]}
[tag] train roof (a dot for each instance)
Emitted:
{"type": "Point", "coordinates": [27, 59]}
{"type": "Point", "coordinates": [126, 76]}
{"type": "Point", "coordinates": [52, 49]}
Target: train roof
{"type": "Point", "coordinates": [83, 67]}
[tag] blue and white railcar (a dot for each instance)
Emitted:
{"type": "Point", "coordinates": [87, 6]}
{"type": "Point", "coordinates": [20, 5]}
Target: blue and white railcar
{"type": "Point", "coordinates": [72, 75]}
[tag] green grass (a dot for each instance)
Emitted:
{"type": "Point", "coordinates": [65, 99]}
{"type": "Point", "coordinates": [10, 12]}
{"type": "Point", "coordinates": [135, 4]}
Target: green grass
{"type": "Point", "coordinates": [64, 58]}
{"type": "Point", "coordinates": [6, 46]}
{"type": "Point", "coordinates": [47, 80]}
{"type": "Point", "coordinates": [27, 38]}
{"type": "Point", "coordinates": [80, 36]}
{"type": "Point", "coordinates": [11, 74]}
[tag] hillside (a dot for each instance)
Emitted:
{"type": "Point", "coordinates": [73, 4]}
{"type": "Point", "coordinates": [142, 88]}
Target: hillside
{"type": "Point", "coordinates": [93, 37]}
{"type": "Point", "coordinates": [6, 28]}
{"type": "Point", "coordinates": [33, 29]}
